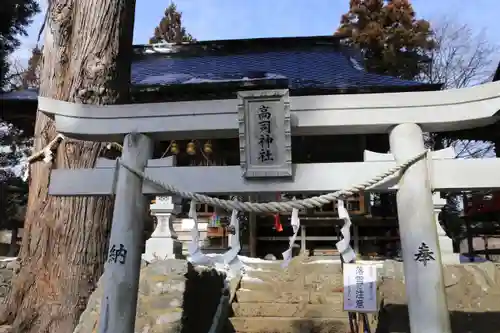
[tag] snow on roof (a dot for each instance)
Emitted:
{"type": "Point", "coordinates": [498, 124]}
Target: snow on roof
{"type": "Point", "coordinates": [302, 62]}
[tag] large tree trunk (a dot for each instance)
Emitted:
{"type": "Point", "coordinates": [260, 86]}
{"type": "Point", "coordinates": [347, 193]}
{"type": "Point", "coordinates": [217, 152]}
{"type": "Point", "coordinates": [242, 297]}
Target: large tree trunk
{"type": "Point", "coordinates": [86, 59]}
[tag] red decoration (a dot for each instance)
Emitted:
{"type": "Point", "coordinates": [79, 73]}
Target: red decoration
{"type": "Point", "coordinates": [277, 220]}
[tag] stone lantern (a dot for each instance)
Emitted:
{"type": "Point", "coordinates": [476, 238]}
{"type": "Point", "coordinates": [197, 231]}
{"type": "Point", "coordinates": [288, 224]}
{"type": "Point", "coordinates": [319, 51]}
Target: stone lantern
{"type": "Point", "coordinates": [163, 243]}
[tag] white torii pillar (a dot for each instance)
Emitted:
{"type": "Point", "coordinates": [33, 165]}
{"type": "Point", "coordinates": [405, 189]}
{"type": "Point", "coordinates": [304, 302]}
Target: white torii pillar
{"type": "Point", "coordinates": [425, 290]}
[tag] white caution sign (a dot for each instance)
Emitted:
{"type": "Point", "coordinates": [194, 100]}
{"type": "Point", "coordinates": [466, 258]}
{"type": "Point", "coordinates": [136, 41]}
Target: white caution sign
{"type": "Point", "coordinates": [360, 288]}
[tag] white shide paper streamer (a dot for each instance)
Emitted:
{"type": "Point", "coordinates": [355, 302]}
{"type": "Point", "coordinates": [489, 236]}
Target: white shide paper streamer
{"type": "Point", "coordinates": [229, 260]}
{"type": "Point", "coordinates": [195, 254]}
{"type": "Point", "coordinates": [344, 245]}
{"type": "Point", "coordinates": [295, 222]}
{"type": "Point", "coordinates": [230, 255]}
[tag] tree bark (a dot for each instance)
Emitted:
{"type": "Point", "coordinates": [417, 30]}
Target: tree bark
{"type": "Point", "coordinates": [86, 59]}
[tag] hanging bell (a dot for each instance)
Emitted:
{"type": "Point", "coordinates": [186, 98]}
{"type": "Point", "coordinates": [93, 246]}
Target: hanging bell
{"type": "Point", "coordinates": [207, 148]}
{"type": "Point", "coordinates": [190, 148]}
{"type": "Point", "coordinates": [174, 148]}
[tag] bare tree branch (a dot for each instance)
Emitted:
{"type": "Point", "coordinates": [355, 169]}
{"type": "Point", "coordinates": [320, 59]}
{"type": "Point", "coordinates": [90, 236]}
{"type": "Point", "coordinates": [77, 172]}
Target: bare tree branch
{"type": "Point", "coordinates": [21, 77]}
{"type": "Point", "coordinates": [473, 149]}
{"type": "Point", "coordinates": [461, 58]}
{"type": "Point", "coordinates": [15, 77]}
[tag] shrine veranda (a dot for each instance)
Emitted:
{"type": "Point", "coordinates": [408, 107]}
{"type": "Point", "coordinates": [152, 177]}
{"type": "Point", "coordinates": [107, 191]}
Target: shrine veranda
{"type": "Point", "coordinates": [403, 116]}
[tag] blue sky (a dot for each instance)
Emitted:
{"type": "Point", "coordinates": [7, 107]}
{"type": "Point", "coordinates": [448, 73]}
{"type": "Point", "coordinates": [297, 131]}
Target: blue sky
{"type": "Point", "coordinates": [232, 19]}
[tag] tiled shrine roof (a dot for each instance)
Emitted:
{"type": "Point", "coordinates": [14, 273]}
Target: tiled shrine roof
{"type": "Point", "coordinates": [307, 63]}
{"type": "Point", "coordinates": [297, 63]}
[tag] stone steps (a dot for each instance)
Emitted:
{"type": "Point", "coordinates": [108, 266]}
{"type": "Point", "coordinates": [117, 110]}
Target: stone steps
{"type": "Point", "coordinates": [302, 299]}
{"type": "Point", "coordinates": [307, 277]}
{"type": "Point", "coordinates": [270, 281]}
{"type": "Point", "coordinates": [288, 310]}
{"type": "Point", "coordinates": [319, 266]}
{"type": "Point", "coordinates": [283, 287]}
{"type": "Point", "coordinates": [290, 297]}
{"type": "Point", "coordinates": [289, 325]}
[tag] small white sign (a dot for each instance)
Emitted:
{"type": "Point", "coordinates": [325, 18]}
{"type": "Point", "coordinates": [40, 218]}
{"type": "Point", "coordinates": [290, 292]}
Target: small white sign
{"type": "Point", "coordinates": [360, 288]}
{"type": "Point", "coordinates": [187, 224]}
{"type": "Point", "coordinates": [162, 200]}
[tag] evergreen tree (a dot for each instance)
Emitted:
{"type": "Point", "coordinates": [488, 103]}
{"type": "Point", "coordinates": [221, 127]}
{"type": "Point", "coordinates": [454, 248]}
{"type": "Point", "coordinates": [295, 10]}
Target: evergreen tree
{"type": "Point", "coordinates": [13, 188]}
{"type": "Point", "coordinates": [15, 145]}
{"type": "Point", "coordinates": [15, 16]}
{"type": "Point", "coordinates": [391, 39]}
{"type": "Point", "coordinates": [170, 28]}
{"type": "Point", "coordinates": [13, 199]}
{"type": "Point", "coordinates": [31, 77]}
{"type": "Point", "coordinates": [77, 227]}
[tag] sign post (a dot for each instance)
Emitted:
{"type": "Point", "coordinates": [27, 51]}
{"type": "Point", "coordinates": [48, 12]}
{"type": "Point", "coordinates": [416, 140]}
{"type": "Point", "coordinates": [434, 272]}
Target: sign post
{"type": "Point", "coordinates": [360, 292]}
{"type": "Point", "coordinates": [360, 288]}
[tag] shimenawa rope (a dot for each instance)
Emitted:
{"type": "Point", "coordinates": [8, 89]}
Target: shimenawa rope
{"type": "Point", "coordinates": [275, 207]}
{"type": "Point", "coordinates": [265, 207]}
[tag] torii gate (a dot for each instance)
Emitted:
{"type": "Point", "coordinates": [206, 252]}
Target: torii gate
{"type": "Point", "coordinates": [404, 116]}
